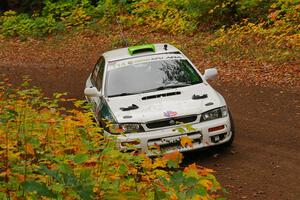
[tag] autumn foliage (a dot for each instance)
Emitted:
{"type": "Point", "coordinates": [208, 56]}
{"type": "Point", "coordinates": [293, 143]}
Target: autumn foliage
{"type": "Point", "coordinates": [254, 30]}
{"type": "Point", "coordinates": [49, 152]}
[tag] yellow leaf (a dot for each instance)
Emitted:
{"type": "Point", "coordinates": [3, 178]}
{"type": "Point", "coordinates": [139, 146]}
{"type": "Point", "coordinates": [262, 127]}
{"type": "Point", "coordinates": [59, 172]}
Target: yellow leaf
{"type": "Point", "coordinates": [206, 183]}
{"type": "Point", "coordinates": [147, 163]}
{"type": "Point", "coordinates": [185, 140]}
{"type": "Point", "coordinates": [160, 173]}
{"type": "Point", "coordinates": [7, 172]}
{"type": "Point", "coordinates": [198, 197]}
{"type": "Point", "coordinates": [29, 149]}
{"type": "Point", "coordinates": [173, 197]}
{"type": "Point", "coordinates": [114, 177]}
{"type": "Point", "coordinates": [51, 121]}
{"type": "Point", "coordinates": [159, 162]}
{"type": "Point", "coordinates": [133, 170]}
{"type": "Point", "coordinates": [194, 169]}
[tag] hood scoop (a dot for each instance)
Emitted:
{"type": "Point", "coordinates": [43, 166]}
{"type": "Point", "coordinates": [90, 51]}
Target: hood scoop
{"type": "Point", "coordinates": [196, 97]}
{"type": "Point", "coordinates": [161, 95]}
{"type": "Point", "coordinates": [132, 107]}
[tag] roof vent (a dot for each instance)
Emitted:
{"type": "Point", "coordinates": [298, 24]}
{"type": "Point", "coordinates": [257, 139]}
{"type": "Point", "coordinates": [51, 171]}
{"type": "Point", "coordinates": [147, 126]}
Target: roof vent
{"type": "Point", "coordinates": [141, 49]}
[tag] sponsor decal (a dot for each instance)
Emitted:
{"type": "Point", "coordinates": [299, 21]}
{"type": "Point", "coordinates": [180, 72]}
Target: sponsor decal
{"type": "Point", "coordinates": [124, 63]}
{"type": "Point", "coordinates": [171, 139]}
{"type": "Point", "coordinates": [170, 114]}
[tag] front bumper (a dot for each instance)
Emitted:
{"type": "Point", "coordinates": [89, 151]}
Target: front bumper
{"type": "Point", "coordinates": [168, 139]}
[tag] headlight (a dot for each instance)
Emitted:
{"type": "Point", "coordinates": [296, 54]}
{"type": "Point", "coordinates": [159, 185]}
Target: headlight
{"type": "Point", "coordinates": [117, 129]}
{"type": "Point", "coordinates": [214, 114]}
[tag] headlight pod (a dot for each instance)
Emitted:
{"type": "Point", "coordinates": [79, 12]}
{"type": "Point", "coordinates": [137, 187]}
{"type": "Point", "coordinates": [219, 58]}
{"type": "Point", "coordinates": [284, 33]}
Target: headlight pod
{"type": "Point", "coordinates": [117, 129]}
{"type": "Point", "coordinates": [214, 114]}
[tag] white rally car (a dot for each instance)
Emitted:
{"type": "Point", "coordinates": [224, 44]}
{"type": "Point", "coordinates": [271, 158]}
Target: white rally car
{"type": "Point", "coordinates": [150, 93]}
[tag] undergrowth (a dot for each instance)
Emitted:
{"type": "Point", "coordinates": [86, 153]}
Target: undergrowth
{"type": "Point", "coordinates": [248, 29]}
{"type": "Point", "coordinates": [49, 152]}
{"type": "Point", "coordinates": [276, 39]}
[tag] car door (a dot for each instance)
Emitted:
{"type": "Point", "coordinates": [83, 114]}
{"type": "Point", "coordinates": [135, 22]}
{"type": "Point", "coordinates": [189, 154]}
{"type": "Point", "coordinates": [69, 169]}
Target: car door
{"type": "Point", "coordinates": [97, 81]}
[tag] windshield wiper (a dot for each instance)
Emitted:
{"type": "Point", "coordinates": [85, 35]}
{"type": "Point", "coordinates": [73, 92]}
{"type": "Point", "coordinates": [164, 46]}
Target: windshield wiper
{"type": "Point", "coordinates": [171, 86]}
{"type": "Point", "coordinates": [122, 94]}
{"type": "Point", "coordinates": [154, 89]}
{"type": "Point", "coordinates": [166, 87]}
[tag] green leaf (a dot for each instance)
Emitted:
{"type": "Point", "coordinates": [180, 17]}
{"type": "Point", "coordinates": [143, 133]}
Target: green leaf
{"type": "Point", "coordinates": [33, 140]}
{"type": "Point", "coordinates": [190, 127]}
{"type": "Point", "coordinates": [85, 192]}
{"type": "Point", "coordinates": [25, 84]}
{"type": "Point", "coordinates": [65, 168]}
{"type": "Point", "coordinates": [172, 164]}
{"type": "Point", "coordinates": [181, 130]}
{"type": "Point", "coordinates": [53, 173]}
{"type": "Point", "coordinates": [202, 191]}
{"type": "Point", "coordinates": [192, 192]}
{"type": "Point", "coordinates": [177, 177]}
{"type": "Point", "coordinates": [3, 195]}
{"type": "Point", "coordinates": [57, 187]}
{"type": "Point", "coordinates": [81, 158]}
{"type": "Point", "coordinates": [160, 194]}
{"type": "Point", "coordinates": [70, 179]}
{"type": "Point", "coordinates": [40, 188]}
{"type": "Point", "coordinates": [58, 95]}
{"type": "Point", "coordinates": [85, 174]}
{"type": "Point", "coordinates": [122, 169]}
{"type": "Point", "coordinates": [190, 181]}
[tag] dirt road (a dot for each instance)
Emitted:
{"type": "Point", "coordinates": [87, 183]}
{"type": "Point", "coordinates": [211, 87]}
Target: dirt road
{"type": "Point", "coordinates": [264, 162]}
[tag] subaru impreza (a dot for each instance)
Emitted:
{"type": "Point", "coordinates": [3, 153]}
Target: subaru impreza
{"type": "Point", "coordinates": [153, 96]}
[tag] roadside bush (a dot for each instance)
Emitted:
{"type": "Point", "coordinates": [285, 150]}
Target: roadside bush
{"type": "Point", "coordinates": [253, 10]}
{"type": "Point", "coordinates": [274, 39]}
{"type": "Point", "coordinates": [212, 13]}
{"type": "Point", "coordinates": [170, 16]}
{"type": "Point", "coordinates": [71, 13]}
{"type": "Point", "coordinates": [50, 152]}
{"type": "Point", "coordinates": [13, 24]}
{"type": "Point", "coordinates": [238, 29]}
{"type": "Point", "coordinates": [55, 17]}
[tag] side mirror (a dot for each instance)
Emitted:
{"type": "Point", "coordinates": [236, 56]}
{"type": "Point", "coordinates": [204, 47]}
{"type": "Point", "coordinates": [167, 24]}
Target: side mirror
{"type": "Point", "coordinates": [210, 73]}
{"type": "Point", "coordinates": [92, 92]}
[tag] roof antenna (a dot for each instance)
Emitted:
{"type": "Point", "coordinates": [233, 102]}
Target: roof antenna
{"type": "Point", "coordinates": [121, 32]}
{"type": "Point", "coordinates": [166, 47]}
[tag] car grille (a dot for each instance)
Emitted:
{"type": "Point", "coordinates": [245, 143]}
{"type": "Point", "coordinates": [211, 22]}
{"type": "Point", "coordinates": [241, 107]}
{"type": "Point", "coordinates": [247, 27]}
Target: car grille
{"type": "Point", "coordinates": [173, 142]}
{"type": "Point", "coordinates": [171, 122]}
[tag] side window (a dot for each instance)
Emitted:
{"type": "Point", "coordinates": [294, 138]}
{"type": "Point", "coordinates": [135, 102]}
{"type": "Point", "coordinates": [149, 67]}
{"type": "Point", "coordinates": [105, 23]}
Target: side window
{"type": "Point", "coordinates": [97, 76]}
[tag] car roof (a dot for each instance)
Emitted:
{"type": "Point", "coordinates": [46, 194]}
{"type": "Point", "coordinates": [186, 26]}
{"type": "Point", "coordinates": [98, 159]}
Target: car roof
{"type": "Point", "coordinates": [123, 53]}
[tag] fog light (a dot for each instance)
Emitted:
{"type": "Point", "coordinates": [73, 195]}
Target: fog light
{"type": "Point", "coordinates": [216, 128]}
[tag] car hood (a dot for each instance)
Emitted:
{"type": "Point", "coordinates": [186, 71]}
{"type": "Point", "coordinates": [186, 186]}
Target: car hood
{"type": "Point", "coordinates": [179, 103]}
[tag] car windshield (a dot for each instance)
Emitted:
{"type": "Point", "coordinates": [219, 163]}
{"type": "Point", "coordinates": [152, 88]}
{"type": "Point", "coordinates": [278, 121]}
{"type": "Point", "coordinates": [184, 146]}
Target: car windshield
{"type": "Point", "coordinates": [150, 76]}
